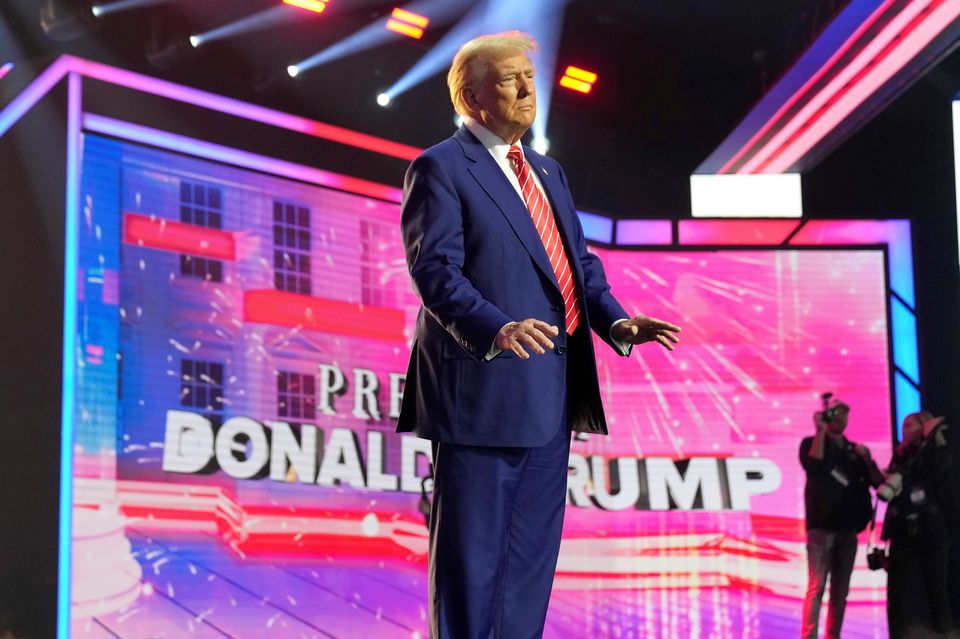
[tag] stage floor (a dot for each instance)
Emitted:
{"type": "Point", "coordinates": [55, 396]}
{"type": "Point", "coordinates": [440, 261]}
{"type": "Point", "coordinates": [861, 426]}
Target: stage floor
{"type": "Point", "coordinates": [196, 587]}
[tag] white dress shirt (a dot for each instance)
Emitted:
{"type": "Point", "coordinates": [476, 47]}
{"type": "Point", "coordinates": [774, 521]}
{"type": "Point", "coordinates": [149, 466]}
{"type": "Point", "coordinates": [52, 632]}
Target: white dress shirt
{"type": "Point", "coordinates": [499, 150]}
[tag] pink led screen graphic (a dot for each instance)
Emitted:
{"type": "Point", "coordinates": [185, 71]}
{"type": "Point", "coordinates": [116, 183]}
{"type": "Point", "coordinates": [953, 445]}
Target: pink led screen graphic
{"type": "Point", "coordinates": [242, 343]}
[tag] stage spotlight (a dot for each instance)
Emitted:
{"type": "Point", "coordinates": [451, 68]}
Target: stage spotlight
{"type": "Point", "coordinates": [293, 70]}
{"type": "Point", "coordinates": [317, 6]}
{"type": "Point", "coordinates": [101, 9]}
{"type": "Point", "coordinates": [270, 79]}
{"type": "Point", "coordinates": [540, 144]}
{"type": "Point", "coordinates": [407, 23]}
{"type": "Point", "coordinates": [5, 69]}
{"type": "Point", "coordinates": [60, 22]}
{"type": "Point", "coordinates": [170, 55]}
{"type": "Point", "coordinates": [277, 14]}
{"type": "Point", "coordinates": [540, 18]}
{"type": "Point", "coordinates": [374, 34]}
{"type": "Point", "coordinates": [578, 79]}
{"type": "Point", "coordinates": [383, 99]}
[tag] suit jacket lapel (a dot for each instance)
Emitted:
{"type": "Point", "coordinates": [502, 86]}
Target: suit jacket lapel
{"type": "Point", "coordinates": [492, 180]}
{"type": "Point", "coordinates": [565, 216]}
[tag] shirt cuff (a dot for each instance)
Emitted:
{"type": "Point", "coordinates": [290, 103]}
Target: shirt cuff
{"type": "Point", "coordinates": [623, 347]}
{"type": "Point", "coordinates": [494, 351]}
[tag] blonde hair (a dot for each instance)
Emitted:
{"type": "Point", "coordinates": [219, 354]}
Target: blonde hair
{"type": "Point", "coordinates": [471, 63]}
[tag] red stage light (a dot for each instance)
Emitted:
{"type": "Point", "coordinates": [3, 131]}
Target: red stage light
{"type": "Point", "coordinates": [407, 23]}
{"type": "Point", "coordinates": [578, 79]}
{"type": "Point", "coordinates": [740, 232]}
{"type": "Point", "coordinates": [317, 6]}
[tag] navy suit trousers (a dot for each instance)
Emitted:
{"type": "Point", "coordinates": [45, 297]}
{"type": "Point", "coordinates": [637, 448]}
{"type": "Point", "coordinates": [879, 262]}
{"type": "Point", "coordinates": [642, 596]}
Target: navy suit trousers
{"type": "Point", "coordinates": [494, 538]}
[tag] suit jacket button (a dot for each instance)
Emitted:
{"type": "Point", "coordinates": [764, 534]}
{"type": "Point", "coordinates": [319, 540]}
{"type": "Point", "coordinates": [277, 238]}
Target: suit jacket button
{"type": "Point", "coordinates": [560, 350]}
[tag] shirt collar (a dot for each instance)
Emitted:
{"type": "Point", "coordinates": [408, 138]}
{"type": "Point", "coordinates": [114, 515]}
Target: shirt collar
{"type": "Point", "coordinates": [490, 140]}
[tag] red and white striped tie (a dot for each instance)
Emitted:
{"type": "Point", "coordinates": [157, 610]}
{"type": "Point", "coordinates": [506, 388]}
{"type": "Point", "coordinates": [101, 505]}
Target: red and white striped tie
{"type": "Point", "coordinates": [547, 228]}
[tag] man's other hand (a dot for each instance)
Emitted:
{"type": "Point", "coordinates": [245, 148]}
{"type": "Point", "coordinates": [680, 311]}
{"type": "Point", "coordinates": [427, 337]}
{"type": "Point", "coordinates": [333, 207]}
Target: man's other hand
{"type": "Point", "coordinates": [531, 334]}
{"type": "Point", "coordinates": [818, 422]}
{"type": "Point", "coordinates": [642, 329]}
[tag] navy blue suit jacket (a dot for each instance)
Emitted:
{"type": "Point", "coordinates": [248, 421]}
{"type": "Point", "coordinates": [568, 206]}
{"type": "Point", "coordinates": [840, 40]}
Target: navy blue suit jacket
{"type": "Point", "coordinates": [477, 263]}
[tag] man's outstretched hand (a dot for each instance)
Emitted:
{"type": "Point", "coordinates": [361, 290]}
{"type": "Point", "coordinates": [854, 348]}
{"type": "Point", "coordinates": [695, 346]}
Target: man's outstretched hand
{"type": "Point", "coordinates": [642, 329]}
{"type": "Point", "coordinates": [531, 334]}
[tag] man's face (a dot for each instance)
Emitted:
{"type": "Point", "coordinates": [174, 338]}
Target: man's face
{"type": "Point", "coordinates": [839, 423]}
{"type": "Point", "coordinates": [505, 101]}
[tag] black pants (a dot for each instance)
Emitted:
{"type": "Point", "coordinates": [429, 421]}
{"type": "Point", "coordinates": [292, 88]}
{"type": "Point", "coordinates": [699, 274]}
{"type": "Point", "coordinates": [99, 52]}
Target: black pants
{"type": "Point", "coordinates": [953, 575]}
{"type": "Point", "coordinates": [917, 563]}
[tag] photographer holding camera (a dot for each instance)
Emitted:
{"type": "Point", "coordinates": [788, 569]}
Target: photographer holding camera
{"type": "Point", "coordinates": [838, 506]}
{"type": "Point", "coordinates": [917, 523]}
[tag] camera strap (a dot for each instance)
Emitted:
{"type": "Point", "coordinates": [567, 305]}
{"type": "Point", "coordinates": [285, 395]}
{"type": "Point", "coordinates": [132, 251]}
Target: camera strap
{"type": "Point", "coordinates": [871, 533]}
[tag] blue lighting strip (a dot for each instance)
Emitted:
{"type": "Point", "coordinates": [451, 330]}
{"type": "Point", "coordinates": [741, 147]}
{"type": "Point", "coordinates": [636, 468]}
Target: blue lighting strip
{"type": "Point", "coordinates": [907, 399]}
{"type": "Point", "coordinates": [900, 255]}
{"type": "Point", "coordinates": [70, 275]}
{"type": "Point", "coordinates": [904, 325]}
{"type": "Point", "coordinates": [596, 227]}
{"type": "Point", "coordinates": [21, 104]}
{"type": "Point", "coordinates": [903, 319]}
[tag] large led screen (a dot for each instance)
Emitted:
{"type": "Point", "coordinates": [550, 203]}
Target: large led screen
{"type": "Point", "coordinates": [242, 339]}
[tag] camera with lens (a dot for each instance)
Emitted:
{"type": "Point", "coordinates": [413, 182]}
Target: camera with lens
{"type": "Point", "coordinates": [831, 410]}
{"type": "Point", "coordinates": [877, 558]}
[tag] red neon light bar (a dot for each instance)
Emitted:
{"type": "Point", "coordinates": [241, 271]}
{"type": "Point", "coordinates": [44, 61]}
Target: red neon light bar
{"type": "Point", "coordinates": [405, 29]}
{"type": "Point", "coordinates": [407, 23]}
{"type": "Point", "coordinates": [813, 112]}
{"type": "Point", "coordinates": [872, 69]}
{"type": "Point", "coordinates": [327, 316]}
{"type": "Point", "coordinates": [577, 85]}
{"type": "Point", "coordinates": [581, 74]}
{"type": "Point", "coordinates": [411, 18]}
{"type": "Point", "coordinates": [578, 79]}
{"type": "Point", "coordinates": [170, 235]}
{"type": "Point", "coordinates": [742, 232]}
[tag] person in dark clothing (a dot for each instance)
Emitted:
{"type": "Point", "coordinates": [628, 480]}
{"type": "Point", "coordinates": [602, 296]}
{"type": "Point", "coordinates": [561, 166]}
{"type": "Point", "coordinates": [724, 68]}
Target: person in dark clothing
{"type": "Point", "coordinates": [838, 506]}
{"type": "Point", "coordinates": [953, 564]}
{"type": "Point", "coordinates": [917, 523]}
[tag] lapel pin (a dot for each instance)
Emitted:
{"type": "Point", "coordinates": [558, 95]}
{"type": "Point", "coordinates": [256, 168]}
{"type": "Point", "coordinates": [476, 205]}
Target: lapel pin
{"type": "Point", "coordinates": [544, 170]}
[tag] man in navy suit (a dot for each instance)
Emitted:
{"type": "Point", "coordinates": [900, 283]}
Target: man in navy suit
{"type": "Point", "coordinates": [502, 367]}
